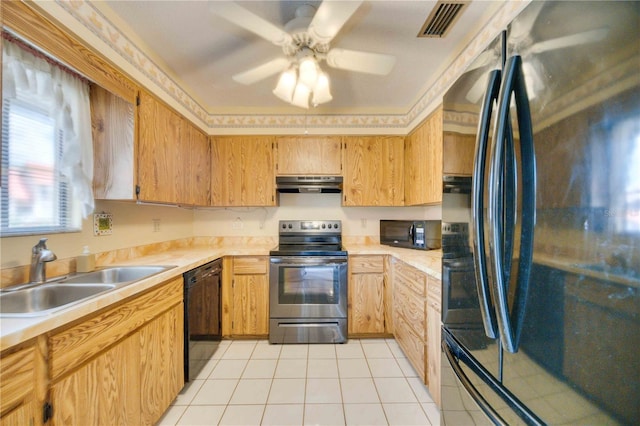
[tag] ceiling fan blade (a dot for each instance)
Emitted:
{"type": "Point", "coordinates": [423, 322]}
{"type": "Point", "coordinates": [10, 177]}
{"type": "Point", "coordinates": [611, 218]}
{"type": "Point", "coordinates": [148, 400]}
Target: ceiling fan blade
{"type": "Point", "coordinates": [488, 57]}
{"type": "Point", "coordinates": [248, 20]}
{"type": "Point", "coordinates": [477, 90]}
{"type": "Point", "coordinates": [521, 27]}
{"type": "Point", "coordinates": [585, 37]}
{"type": "Point", "coordinates": [330, 18]}
{"type": "Point", "coordinates": [262, 71]}
{"type": "Point", "coordinates": [353, 60]}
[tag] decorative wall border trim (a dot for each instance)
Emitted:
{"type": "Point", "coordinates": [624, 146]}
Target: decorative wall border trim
{"type": "Point", "coordinates": [95, 21]}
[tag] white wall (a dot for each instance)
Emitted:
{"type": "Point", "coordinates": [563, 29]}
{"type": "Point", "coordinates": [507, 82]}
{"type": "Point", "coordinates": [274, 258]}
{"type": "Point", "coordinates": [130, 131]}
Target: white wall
{"type": "Point", "coordinates": [356, 221]}
{"type": "Point", "coordinates": [132, 226]}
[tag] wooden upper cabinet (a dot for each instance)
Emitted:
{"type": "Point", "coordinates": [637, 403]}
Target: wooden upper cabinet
{"type": "Point", "coordinates": [242, 171]}
{"type": "Point", "coordinates": [199, 168]}
{"type": "Point", "coordinates": [459, 151]}
{"type": "Point", "coordinates": [308, 155]}
{"type": "Point", "coordinates": [423, 158]}
{"type": "Point", "coordinates": [113, 130]}
{"type": "Point", "coordinates": [158, 162]}
{"type": "Point", "coordinates": [170, 160]}
{"type": "Point", "coordinates": [374, 171]}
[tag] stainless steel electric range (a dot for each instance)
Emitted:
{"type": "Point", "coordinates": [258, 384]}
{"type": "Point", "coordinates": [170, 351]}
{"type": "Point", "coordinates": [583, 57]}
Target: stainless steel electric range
{"type": "Point", "coordinates": [308, 283]}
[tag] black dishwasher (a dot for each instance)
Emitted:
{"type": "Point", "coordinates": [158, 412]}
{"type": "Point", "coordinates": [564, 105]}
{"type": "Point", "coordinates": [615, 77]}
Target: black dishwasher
{"type": "Point", "coordinates": [201, 316]}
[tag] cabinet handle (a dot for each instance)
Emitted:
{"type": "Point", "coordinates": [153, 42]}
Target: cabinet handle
{"type": "Point", "coordinates": [502, 204]}
{"type": "Point", "coordinates": [477, 205]}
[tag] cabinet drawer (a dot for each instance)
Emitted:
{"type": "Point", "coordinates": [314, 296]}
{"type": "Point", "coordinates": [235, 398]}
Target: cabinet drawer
{"type": "Point", "coordinates": [411, 277]}
{"type": "Point", "coordinates": [412, 345]}
{"type": "Point", "coordinates": [74, 346]}
{"type": "Point", "coordinates": [366, 264]}
{"type": "Point", "coordinates": [249, 265]}
{"type": "Point", "coordinates": [16, 378]}
{"type": "Point", "coordinates": [411, 308]}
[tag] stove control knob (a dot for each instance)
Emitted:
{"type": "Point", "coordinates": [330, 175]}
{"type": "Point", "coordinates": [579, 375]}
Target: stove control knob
{"type": "Point", "coordinates": [284, 226]}
{"type": "Point", "coordinates": [335, 226]}
{"type": "Point", "coordinates": [290, 226]}
{"type": "Point", "coordinates": [324, 226]}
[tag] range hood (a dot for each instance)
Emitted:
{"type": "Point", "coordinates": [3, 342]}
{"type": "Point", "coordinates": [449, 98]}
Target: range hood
{"type": "Point", "coordinates": [309, 184]}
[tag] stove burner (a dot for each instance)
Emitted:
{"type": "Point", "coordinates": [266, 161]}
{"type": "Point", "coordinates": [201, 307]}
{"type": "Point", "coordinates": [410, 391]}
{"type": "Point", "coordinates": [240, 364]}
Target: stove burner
{"type": "Point", "coordinates": [309, 238]}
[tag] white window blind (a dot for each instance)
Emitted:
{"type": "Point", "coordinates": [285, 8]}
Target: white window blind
{"type": "Point", "coordinates": [47, 156]}
{"type": "Point", "coordinates": [34, 193]}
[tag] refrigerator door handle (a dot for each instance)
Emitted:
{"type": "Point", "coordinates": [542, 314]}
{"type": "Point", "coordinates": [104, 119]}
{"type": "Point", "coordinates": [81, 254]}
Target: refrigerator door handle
{"type": "Point", "coordinates": [510, 322]}
{"type": "Point", "coordinates": [477, 205]}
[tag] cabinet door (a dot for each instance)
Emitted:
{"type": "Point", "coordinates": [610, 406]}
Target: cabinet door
{"type": "Point", "coordinates": [199, 169]}
{"type": "Point", "coordinates": [18, 377]}
{"type": "Point", "coordinates": [242, 171]}
{"type": "Point", "coordinates": [423, 157]}
{"type": "Point", "coordinates": [250, 300]}
{"type": "Point", "coordinates": [159, 134]}
{"type": "Point", "coordinates": [366, 304]}
{"type": "Point", "coordinates": [309, 155]}
{"type": "Point", "coordinates": [374, 171]}
{"type": "Point", "coordinates": [112, 128]}
{"type": "Point", "coordinates": [104, 391]}
{"type": "Point", "coordinates": [366, 313]}
{"type": "Point", "coordinates": [258, 181]}
{"type": "Point", "coordinates": [459, 151]}
{"type": "Point", "coordinates": [250, 305]}
{"type": "Point", "coordinates": [161, 363]}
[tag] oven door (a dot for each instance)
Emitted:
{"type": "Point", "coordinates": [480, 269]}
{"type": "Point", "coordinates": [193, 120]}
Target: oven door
{"type": "Point", "coordinates": [308, 287]}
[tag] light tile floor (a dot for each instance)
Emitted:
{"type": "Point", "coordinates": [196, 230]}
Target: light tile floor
{"type": "Point", "coordinates": [250, 382]}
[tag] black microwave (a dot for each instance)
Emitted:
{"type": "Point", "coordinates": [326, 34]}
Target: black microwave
{"type": "Point", "coordinates": [413, 234]}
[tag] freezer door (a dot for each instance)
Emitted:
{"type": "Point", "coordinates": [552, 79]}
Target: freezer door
{"type": "Point", "coordinates": [576, 361]}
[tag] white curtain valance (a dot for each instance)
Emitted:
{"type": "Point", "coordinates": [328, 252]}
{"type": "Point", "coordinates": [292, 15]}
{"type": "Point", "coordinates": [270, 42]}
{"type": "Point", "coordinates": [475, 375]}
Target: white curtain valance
{"type": "Point", "coordinates": [32, 78]}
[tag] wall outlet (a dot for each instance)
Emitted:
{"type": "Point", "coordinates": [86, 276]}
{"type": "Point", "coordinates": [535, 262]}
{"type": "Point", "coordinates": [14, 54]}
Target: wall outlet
{"type": "Point", "coordinates": [363, 222]}
{"type": "Point", "coordinates": [237, 224]}
{"type": "Point", "coordinates": [156, 225]}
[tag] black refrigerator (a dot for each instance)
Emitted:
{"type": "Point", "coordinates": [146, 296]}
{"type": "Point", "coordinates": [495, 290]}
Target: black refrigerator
{"type": "Point", "coordinates": [541, 244]}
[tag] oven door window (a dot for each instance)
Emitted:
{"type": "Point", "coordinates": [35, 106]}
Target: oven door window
{"type": "Point", "coordinates": [308, 285]}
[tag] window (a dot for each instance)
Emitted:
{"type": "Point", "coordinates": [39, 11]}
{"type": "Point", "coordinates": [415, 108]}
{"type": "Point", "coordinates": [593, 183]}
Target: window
{"type": "Point", "coordinates": [47, 149]}
{"type": "Point", "coordinates": [35, 196]}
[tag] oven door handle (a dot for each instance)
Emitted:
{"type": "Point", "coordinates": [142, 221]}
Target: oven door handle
{"type": "Point", "coordinates": [317, 262]}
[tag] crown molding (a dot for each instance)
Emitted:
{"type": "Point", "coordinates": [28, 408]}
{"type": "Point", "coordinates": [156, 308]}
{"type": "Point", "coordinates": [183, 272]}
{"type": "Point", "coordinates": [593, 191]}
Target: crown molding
{"type": "Point", "coordinates": [87, 21]}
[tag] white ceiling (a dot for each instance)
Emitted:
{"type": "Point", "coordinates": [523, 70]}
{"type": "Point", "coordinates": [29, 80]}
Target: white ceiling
{"type": "Point", "coordinates": [201, 52]}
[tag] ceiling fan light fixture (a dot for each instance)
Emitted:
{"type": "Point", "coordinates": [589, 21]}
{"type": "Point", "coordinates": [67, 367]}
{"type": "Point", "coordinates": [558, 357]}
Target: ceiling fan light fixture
{"type": "Point", "coordinates": [301, 96]}
{"type": "Point", "coordinates": [308, 71]}
{"type": "Point", "coordinates": [321, 93]}
{"type": "Point", "coordinates": [286, 85]}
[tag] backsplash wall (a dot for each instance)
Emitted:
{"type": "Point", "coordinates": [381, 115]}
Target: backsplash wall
{"type": "Point", "coordinates": [263, 221]}
{"type": "Point", "coordinates": [132, 226]}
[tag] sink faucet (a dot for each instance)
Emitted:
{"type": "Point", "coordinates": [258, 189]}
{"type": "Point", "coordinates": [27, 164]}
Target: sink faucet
{"type": "Point", "coordinates": [39, 255]}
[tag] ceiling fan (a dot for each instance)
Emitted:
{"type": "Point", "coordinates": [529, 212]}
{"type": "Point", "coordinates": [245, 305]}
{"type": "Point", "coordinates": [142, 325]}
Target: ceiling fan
{"type": "Point", "coordinates": [305, 42]}
{"type": "Point", "coordinates": [519, 37]}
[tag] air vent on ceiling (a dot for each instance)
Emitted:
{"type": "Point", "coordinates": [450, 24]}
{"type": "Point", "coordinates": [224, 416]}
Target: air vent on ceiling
{"type": "Point", "coordinates": [442, 17]}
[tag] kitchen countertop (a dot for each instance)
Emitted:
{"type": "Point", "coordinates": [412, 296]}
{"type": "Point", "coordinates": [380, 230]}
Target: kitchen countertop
{"type": "Point", "coordinates": [17, 330]}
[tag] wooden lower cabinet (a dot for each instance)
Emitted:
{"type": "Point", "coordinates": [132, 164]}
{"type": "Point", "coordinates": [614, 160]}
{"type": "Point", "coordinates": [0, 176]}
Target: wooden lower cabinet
{"type": "Point", "coordinates": [434, 322]}
{"type": "Point", "coordinates": [366, 290]}
{"type": "Point", "coordinates": [122, 366]}
{"type": "Point", "coordinates": [409, 314]}
{"type": "Point", "coordinates": [250, 296]}
{"type": "Point", "coordinates": [22, 377]}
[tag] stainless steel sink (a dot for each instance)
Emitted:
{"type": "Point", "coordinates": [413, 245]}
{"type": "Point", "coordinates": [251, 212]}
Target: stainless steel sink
{"type": "Point", "coordinates": [46, 298]}
{"type": "Point", "coordinates": [117, 275]}
{"type": "Point", "coordinates": [32, 300]}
